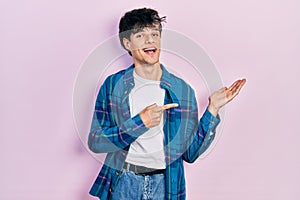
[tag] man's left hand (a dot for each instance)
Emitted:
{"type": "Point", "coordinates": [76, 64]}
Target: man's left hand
{"type": "Point", "coordinates": [221, 97]}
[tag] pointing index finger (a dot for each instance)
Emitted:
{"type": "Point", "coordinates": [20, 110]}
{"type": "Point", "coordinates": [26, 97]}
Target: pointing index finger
{"type": "Point", "coordinates": [170, 105]}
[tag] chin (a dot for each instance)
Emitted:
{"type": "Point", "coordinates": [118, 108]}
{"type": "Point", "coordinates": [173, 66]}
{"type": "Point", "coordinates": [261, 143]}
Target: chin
{"type": "Point", "coordinates": [152, 62]}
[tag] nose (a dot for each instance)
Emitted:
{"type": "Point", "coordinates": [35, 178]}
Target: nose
{"type": "Point", "coordinates": [149, 39]}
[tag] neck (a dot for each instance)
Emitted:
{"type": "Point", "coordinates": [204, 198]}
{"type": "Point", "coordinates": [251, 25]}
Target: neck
{"type": "Point", "coordinates": [150, 72]}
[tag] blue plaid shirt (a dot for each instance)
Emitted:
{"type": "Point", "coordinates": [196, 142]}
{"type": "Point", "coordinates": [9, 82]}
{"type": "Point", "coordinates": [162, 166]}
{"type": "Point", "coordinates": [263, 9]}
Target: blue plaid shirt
{"type": "Point", "coordinates": [113, 130]}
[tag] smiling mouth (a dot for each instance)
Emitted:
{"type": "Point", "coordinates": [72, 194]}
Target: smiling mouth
{"type": "Point", "coordinates": [150, 50]}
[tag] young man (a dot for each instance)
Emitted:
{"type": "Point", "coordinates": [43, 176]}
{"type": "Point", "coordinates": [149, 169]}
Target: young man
{"type": "Point", "coordinates": [146, 120]}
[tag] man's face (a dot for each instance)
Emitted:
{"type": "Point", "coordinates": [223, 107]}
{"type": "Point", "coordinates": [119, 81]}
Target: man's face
{"type": "Point", "coordinates": [144, 45]}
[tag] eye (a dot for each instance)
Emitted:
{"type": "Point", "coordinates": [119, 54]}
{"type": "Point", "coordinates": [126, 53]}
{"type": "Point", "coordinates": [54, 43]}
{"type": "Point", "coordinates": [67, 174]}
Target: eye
{"type": "Point", "coordinates": [138, 35]}
{"type": "Point", "coordinates": [155, 35]}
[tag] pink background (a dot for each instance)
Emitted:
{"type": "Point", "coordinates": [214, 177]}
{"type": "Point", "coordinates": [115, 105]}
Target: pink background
{"type": "Point", "coordinates": [42, 45]}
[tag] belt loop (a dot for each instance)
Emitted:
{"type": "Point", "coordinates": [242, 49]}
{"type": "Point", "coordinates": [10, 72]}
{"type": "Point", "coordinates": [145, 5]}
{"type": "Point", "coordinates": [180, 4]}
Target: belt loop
{"type": "Point", "coordinates": [128, 165]}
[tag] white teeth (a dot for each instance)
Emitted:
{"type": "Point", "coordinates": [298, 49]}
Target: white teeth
{"type": "Point", "coordinates": [149, 49]}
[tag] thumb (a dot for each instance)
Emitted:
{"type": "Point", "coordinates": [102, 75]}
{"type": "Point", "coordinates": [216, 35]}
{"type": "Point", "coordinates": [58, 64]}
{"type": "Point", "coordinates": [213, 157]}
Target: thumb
{"type": "Point", "coordinates": [152, 105]}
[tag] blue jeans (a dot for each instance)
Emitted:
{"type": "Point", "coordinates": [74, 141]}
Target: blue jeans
{"type": "Point", "coordinates": [138, 187]}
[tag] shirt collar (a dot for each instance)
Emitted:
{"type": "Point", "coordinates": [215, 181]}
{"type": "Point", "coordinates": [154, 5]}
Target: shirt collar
{"type": "Point", "coordinates": [165, 82]}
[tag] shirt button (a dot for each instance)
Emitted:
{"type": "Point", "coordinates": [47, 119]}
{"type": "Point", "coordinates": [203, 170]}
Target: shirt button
{"type": "Point", "coordinates": [117, 173]}
{"type": "Point", "coordinates": [125, 92]}
{"type": "Point", "coordinates": [212, 122]}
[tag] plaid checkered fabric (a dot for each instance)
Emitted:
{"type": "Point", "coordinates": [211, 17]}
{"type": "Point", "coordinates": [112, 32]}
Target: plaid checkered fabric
{"type": "Point", "coordinates": [113, 129]}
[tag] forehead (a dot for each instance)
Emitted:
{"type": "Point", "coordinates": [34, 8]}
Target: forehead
{"type": "Point", "coordinates": [148, 27]}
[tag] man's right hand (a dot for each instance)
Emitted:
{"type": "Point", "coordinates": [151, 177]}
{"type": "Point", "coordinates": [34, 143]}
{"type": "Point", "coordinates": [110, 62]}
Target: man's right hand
{"type": "Point", "coordinates": [151, 115]}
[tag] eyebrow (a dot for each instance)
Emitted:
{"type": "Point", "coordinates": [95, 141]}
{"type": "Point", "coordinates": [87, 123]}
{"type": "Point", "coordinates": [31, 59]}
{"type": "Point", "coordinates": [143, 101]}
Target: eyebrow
{"type": "Point", "coordinates": [155, 29]}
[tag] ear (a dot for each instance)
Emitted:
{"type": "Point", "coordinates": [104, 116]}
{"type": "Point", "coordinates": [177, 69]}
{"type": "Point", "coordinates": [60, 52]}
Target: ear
{"type": "Point", "coordinates": [127, 44]}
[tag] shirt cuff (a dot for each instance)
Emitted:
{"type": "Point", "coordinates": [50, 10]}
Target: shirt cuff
{"type": "Point", "coordinates": [135, 126]}
{"type": "Point", "coordinates": [211, 121]}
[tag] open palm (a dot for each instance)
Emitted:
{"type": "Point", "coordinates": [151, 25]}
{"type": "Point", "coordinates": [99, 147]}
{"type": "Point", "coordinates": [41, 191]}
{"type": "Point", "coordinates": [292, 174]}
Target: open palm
{"type": "Point", "coordinates": [224, 95]}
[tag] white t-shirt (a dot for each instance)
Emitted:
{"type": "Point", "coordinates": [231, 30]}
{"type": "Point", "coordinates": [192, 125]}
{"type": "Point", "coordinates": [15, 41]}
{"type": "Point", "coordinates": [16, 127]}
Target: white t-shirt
{"type": "Point", "coordinates": [148, 149]}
